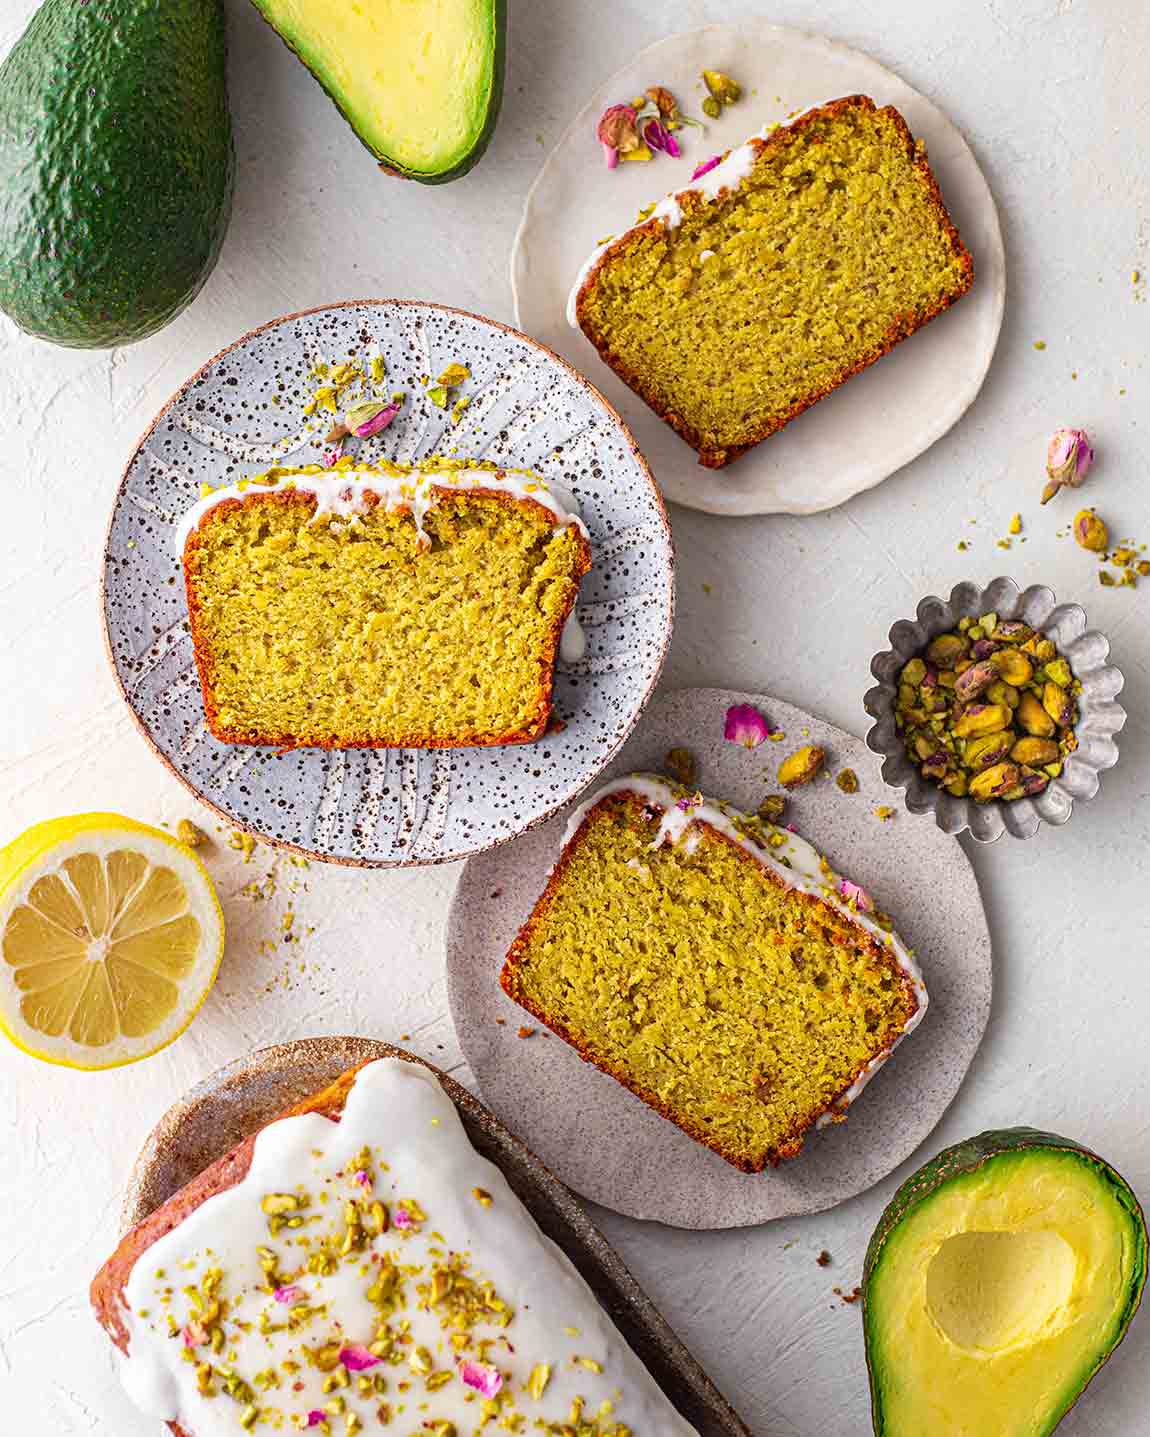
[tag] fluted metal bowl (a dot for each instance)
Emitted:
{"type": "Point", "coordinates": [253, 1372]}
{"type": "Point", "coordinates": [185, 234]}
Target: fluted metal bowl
{"type": "Point", "coordinates": [1100, 715]}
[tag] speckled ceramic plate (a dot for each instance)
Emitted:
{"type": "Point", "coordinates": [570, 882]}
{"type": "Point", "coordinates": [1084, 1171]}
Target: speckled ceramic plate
{"type": "Point", "coordinates": [879, 420]}
{"type": "Point", "coordinates": [600, 1139]}
{"type": "Point", "coordinates": [244, 411]}
{"type": "Point", "coordinates": [238, 1100]}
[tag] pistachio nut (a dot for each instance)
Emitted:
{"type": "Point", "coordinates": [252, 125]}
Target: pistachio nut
{"type": "Point", "coordinates": [995, 782]}
{"type": "Point", "coordinates": [1058, 704]}
{"type": "Point", "coordinates": [1031, 783]}
{"type": "Point", "coordinates": [913, 672]}
{"type": "Point", "coordinates": [1033, 717]}
{"type": "Point", "coordinates": [801, 766]}
{"type": "Point", "coordinates": [978, 719]}
{"type": "Point", "coordinates": [1059, 671]}
{"type": "Point", "coordinates": [958, 784]}
{"type": "Point", "coordinates": [983, 648]}
{"type": "Point", "coordinates": [1035, 751]}
{"type": "Point", "coordinates": [1002, 693]}
{"type": "Point", "coordinates": [985, 752]}
{"type": "Point", "coordinates": [1012, 631]}
{"type": "Point", "coordinates": [936, 766]}
{"type": "Point", "coordinates": [975, 680]}
{"type": "Point", "coordinates": [1090, 532]}
{"type": "Point", "coordinates": [946, 650]}
{"type": "Point", "coordinates": [1012, 667]}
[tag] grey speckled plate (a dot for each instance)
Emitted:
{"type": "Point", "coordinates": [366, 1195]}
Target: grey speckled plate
{"type": "Point", "coordinates": [238, 1100]}
{"type": "Point", "coordinates": [612, 1148]}
{"type": "Point", "coordinates": [529, 409]}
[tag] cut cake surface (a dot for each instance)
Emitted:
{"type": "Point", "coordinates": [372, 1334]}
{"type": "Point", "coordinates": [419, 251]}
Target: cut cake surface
{"type": "Point", "coordinates": [445, 1296]}
{"type": "Point", "coordinates": [382, 607]}
{"type": "Point", "coordinates": [712, 965]}
{"type": "Point", "coordinates": [803, 257]}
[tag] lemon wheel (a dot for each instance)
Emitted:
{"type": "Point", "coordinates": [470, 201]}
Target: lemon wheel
{"type": "Point", "coordinates": [110, 935]}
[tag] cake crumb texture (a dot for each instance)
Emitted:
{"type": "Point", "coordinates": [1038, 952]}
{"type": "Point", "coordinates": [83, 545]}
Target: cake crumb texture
{"type": "Point", "coordinates": [759, 303]}
{"type": "Point", "coordinates": [360, 635]}
{"type": "Point", "coordinates": [738, 1007]}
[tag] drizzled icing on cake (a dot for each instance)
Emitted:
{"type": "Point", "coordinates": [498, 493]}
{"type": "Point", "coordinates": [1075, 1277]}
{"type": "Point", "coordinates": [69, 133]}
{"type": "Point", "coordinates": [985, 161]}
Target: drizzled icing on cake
{"type": "Point", "coordinates": [728, 174]}
{"type": "Point", "coordinates": [790, 858]}
{"type": "Point", "coordinates": [376, 1274]}
{"type": "Point", "coordinates": [341, 493]}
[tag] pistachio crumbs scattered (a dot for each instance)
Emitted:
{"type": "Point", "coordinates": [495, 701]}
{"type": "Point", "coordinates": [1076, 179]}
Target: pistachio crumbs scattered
{"type": "Point", "coordinates": [190, 834]}
{"type": "Point", "coordinates": [847, 780]}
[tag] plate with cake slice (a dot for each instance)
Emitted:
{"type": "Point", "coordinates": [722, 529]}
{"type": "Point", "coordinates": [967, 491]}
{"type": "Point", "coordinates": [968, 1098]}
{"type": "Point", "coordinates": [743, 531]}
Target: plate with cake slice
{"type": "Point", "coordinates": [342, 1237]}
{"type": "Point", "coordinates": [788, 301]}
{"type": "Point", "coordinates": [387, 583]}
{"type": "Point", "coordinates": [768, 987]}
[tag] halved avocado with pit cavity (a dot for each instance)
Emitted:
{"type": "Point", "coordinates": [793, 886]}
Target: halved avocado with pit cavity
{"type": "Point", "coordinates": [419, 81]}
{"type": "Point", "coordinates": [999, 1279]}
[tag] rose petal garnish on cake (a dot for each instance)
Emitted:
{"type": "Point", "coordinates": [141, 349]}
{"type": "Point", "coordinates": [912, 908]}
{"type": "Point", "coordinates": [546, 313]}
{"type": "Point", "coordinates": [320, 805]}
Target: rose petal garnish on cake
{"type": "Point", "coordinates": [357, 1358]}
{"type": "Point", "coordinates": [707, 165]}
{"type": "Point", "coordinates": [745, 725]}
{"type": "Point", "coordinates": [484, 1378]}
{"type": "Point", "coordinates": [856, 896]}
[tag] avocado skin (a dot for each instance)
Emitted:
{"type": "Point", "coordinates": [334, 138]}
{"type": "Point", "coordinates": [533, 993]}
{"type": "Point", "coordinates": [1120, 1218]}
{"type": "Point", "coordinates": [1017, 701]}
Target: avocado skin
{"type": "Point", "coordinates": [116, 166]}
{"type": "Point", "coordinates": [498, 9]}
{"type": "Point", "coordinates": [967, 1157]}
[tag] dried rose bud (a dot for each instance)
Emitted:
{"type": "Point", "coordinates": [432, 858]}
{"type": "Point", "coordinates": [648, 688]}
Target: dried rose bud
{"type": "Point", "coordinates": [1068, 459]}
{"type": "Point", "coordinates": [658, 137]}
{"type": "Point", "coordinates": [618, 132]}
{"type": "Point", "coordinates": [1090, 532]}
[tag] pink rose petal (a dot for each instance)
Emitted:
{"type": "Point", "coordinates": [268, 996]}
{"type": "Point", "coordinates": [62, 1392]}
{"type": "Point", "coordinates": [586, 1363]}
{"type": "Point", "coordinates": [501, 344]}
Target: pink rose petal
{"type": "Point", "coordinates": [611, 155]}
{"type": "Point", "coordinates": [687, 804]}
{"type": "Point", "coordinates": [481, 1376]}
{"type": "Point", "coordinates": [357, 1358]}
{"type": "Point", "coordinates": [194, 1335]}
{"type": "Point", "coordinates": [331, 457]}
{"type": "Point", "coordinates": [379, 421]}
{"type": "Point", "coordinates": [710, 164]}
{"type": "Point", "coordinates": [746, 725]}
{"type": "Point", "coordinates": [856, 895]}
{"type": "Point", "coordinates": [402, 1219]}
{"type": "Point", "coordinates": [291, 1293]}
{"type": "Point", "coordinates": [363, 1178]}
{"type": "Point", "coordinates": [315, 1417]}
{"type": "Point", "coordinates": [659, 137]}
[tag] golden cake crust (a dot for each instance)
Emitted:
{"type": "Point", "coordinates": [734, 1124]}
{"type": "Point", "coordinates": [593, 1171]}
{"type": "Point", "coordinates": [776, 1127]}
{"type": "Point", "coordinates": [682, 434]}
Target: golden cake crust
{"type": "Point", "coordinates": [904, 326]}
{"type": "Point", "coordinates": [792, 1142]}
{"type": "Point", "coordinates": [541, 701]}
{"type": "Point", "coordinates": [107, 1289]}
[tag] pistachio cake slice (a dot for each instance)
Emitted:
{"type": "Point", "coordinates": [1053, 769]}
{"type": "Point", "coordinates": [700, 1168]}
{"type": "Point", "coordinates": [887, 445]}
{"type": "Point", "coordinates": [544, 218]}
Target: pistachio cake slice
{"type": "Point", "coordinates": [785, 267]}
{"type": "Point", "coordinates": [716, 966]}
{"type": "Point", "coordinates": [381, 606]}
{"type": "Point", "coordinates": [356, 1267]}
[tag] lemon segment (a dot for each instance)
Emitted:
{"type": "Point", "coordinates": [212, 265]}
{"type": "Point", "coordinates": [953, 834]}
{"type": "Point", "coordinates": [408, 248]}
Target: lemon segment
{"type": "Point", "coordinates": [111, 935]}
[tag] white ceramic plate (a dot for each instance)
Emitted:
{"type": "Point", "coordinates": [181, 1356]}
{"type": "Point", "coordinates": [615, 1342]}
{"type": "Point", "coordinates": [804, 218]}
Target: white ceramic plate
{"type": "Point", "coordinates": [610, 1147]}
{"type": "Point", "coordinates": [244, 411]}
{"type": "Point", "coordinates": [878, 421]}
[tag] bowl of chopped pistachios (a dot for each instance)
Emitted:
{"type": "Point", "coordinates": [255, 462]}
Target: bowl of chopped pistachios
{"type": "Point", "coordinates": [995, 709]}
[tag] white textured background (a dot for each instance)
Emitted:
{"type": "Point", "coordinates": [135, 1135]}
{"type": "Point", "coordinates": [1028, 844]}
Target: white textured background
{"type": "Point", "coordinates": [1053, 96]}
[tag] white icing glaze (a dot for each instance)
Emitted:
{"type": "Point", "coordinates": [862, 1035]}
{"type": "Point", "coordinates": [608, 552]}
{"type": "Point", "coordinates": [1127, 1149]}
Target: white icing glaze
{"type": "Point", "coordinates": [572, 641]}
{"type": "Point", "coordinates": [341, 493]}
{"type": "Point", "coordinates": [728, 174]}
{"type": "Point", "coordinates": [402, 1114]}
{"type": "Point", "coordinates": [795, 861]}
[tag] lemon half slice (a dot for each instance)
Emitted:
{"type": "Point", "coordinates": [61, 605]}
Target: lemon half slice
{"type": "Point", "coordinates": [110, 938]}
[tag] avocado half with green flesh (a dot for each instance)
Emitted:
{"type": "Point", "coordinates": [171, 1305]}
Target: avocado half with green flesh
{"type": "Point", "coordinates": [999, 1279]}
{"type": "Point", "coordinates": [419, 81]}
{"type": "Point", "coordinates": [116, 166]}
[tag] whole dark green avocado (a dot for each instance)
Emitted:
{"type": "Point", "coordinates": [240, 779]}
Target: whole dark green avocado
{"type": "Point", "coordinates": [116, 166]}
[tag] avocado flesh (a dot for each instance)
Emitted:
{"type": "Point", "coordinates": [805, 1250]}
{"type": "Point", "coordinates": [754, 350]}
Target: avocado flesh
{"type": "Point", "coordinates": [116, 166]}
{"type": "Point", "coordinates": [993, 1299]}
{"type": "Point", "coordinates": [418, 80]}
